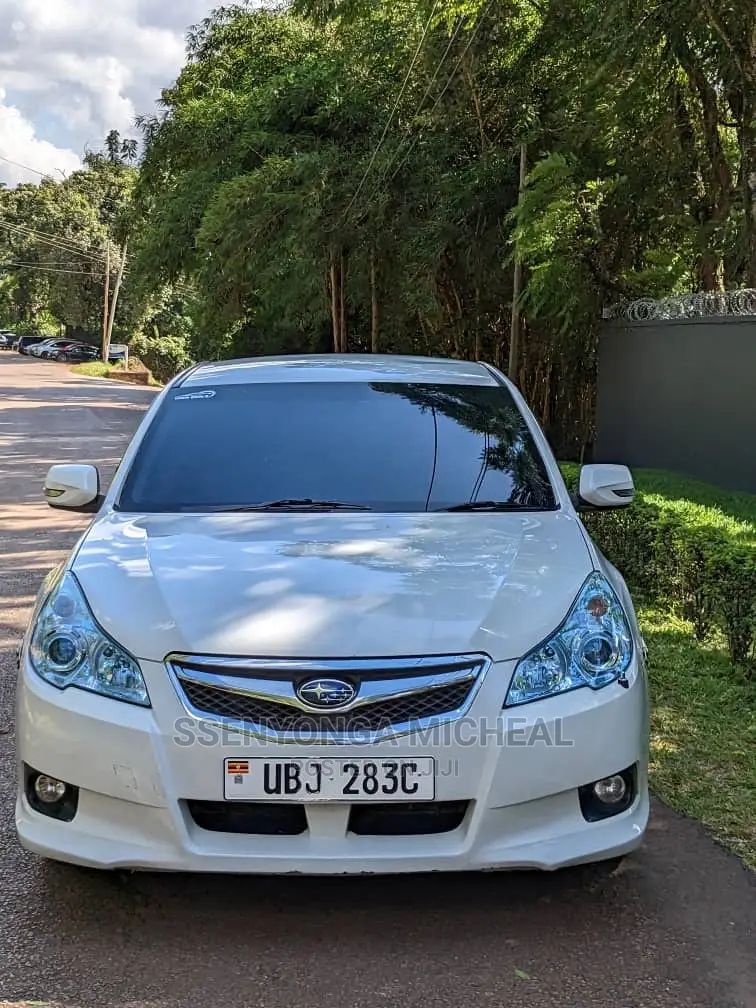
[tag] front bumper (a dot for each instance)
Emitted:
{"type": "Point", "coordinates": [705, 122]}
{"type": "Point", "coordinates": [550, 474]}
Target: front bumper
{"type": "Point", "coordinates": [518, 772]}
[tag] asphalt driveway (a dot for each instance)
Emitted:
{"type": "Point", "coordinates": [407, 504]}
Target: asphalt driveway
{"type": "Point", "coordinates": [676, 927]}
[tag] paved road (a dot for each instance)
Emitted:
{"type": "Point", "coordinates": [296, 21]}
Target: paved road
{"type": "Point", "coordinates": [675, 928]}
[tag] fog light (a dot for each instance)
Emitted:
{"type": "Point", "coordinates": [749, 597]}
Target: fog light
{"type": "Point", "coordinates": [48, 789]}
{"type": "Point", "coordinates": [609, 796]}
{"type": "Point", "coordinates": [610, 790]}
{"type": "Point", "coordinates": [49, 796]}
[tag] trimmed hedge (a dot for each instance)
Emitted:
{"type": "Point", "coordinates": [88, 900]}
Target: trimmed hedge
{"type": "Point", "coordinates": [689, 545]}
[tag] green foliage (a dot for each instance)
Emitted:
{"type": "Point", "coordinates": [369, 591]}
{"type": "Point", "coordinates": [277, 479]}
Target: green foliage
{"type": "Point", "coordinates": [691, 546]}
{"type": "Point", "coordinates": [325, 182]}
{"type": "Point", "coordinates": [164, 356]}
{"type": "Point", "coordinates": [53, 235]}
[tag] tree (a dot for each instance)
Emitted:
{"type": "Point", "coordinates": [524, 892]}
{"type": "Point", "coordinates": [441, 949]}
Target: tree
{"type": "Point", "coordinates": [54, 235]}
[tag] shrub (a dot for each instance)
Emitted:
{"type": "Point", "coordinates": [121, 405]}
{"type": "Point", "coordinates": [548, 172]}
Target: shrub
{"type": "Point", "coordinates": [164, 356]}
{"type": "Point", "coordinates": [690, 545]}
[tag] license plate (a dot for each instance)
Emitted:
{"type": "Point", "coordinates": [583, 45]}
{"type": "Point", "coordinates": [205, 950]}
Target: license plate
{"type": "Point", "coordinates": [347, 780]}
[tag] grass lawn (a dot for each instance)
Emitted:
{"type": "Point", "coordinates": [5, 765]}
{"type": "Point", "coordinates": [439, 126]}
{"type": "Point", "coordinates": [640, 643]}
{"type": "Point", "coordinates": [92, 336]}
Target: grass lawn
{"type": "Point", "coordinates": [99, 369]}
{"type": "Point", "coordinates": [95, 369]}
{"type": "Point", "coordinates": [703, 731]}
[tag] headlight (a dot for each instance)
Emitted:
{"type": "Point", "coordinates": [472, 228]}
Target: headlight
{"type": "Point", "coordinates": [593, 647]}
{"type": "Point", "coordinates": [68, 648]}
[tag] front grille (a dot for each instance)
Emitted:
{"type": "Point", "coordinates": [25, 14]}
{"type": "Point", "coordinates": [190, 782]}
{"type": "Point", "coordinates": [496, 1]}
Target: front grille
{"type": "Point", "coordinates": [407, 819]}
{"type": "Point", "coordinates": [280, 717]}
{"type": "Point", "coordinates": [256, 818]}
{"type": "Point", "coordinates": [268, 819]}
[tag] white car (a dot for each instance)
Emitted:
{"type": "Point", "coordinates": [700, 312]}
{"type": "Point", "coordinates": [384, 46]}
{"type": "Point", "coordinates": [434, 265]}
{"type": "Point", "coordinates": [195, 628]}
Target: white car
{"type": "Point", "coordinates": [334, 615]}
{"type": "Point", "coordinates": [34, 349]}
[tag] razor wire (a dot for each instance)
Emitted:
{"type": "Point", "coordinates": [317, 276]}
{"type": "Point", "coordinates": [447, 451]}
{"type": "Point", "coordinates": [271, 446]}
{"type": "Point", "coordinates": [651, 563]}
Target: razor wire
{"type": "Point", "coordinates": [710, 304]}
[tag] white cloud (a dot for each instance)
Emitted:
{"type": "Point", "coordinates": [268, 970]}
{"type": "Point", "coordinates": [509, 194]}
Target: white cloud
{"type": "Point", "coordinates": [72, 70]}
{"type": "Point", "coordinates": [20, 147]}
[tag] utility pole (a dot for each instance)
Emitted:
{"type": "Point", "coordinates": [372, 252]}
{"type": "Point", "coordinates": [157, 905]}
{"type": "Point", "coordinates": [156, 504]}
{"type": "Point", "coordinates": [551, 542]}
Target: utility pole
{"type": "Point", "coordinates": [116, 290]}
{"type": "Point", "coordinates": [514, 333]}
{"type": "Point", "coordinates": [106, 307]}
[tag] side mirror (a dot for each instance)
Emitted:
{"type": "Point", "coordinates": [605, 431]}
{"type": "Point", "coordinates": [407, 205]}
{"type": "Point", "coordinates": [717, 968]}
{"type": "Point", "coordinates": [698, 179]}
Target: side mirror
{"type": "Point", "coordinates": [73, 487]}
{"type": "Point", "coordinates": [604, 486]}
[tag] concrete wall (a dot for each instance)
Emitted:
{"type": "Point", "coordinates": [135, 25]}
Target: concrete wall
{"type": "Point", "coordinates": [680, 395]}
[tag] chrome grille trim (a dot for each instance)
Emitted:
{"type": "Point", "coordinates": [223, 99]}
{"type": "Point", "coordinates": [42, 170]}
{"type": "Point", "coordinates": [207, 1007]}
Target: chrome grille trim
{"type": "Point", "coordinates": [379, 681]}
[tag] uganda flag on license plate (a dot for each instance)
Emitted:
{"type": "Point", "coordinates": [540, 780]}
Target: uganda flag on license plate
{"type": "Point", "coordinates": [237, 767]}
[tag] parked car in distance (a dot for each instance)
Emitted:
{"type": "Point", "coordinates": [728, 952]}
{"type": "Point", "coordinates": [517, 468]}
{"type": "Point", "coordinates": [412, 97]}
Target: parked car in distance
{"type": "Point", "coordinates": [25, 343]}
{"type": "Point", "coordinates": [80, 352]}
{"type": "Point", "coordinates": [76, 352]}
{"type": "Point", "coordinates": [6, 340]}
{"type": "Point", "coordinates": [335, 614]}
{"type": "Point", "coordinates": [46, 349]}
{"type": "Point", "coordinates": [36, 348]}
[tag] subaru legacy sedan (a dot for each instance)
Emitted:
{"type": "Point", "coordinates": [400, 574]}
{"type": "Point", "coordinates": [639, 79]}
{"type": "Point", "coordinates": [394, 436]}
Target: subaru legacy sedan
{"type": "Point", "coordinates": [334, 615]}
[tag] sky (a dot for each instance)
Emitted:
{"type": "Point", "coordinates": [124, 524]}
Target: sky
{"type": "Point", "coordinates": [72, 70]}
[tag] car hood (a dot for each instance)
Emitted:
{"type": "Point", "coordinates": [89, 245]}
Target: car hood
{"type": "Point", "coordinates": [332, 585]}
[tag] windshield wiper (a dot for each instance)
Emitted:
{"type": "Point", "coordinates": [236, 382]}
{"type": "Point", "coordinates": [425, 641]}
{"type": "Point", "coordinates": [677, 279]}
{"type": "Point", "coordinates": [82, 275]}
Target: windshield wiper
{"type": "Point", "coordinates": [494, 506]}
{"type": "Point", "coordinates": [294, 504]}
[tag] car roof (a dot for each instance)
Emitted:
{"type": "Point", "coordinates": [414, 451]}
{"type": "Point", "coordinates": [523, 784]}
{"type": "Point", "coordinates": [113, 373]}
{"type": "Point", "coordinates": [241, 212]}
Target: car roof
{"type": "Point", "coordinates": [340, 368]}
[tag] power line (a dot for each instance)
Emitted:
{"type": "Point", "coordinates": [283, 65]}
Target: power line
{"type": "Point", "coordinates": [418, 110]}
{"type": "Point", "coordinates": [72, 242]}
{"type": "Point", "coordinates": [19, 231]}
{"type": "Point", "coordinates": [64, 244]}
{"type": "Point", "coordinates": [394, 109]}
{"type": "Point", "coordinates": [48, 269]}
{"type": "Point", "coordinates": [45, 263]}
{"type": "Point", "coordinates": [27, 167]}
{"type": "Point", "coordinates": [59, 245]}
{"type": "Point", "coordinates": [457, 65]}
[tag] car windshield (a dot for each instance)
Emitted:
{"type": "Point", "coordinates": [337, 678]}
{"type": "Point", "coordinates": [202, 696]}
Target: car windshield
{"type": "Point", "coordinates": [389, 447]}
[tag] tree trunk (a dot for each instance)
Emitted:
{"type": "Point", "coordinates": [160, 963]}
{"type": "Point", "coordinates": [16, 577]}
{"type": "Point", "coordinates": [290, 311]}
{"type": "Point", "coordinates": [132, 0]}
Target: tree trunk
{"type": "Point", "coordinates": [469, 74]}
{"type": "Point", "coordinates": [342, 305]}
{"type": "Point", "coordinates": [747, 143]}
{"type": "Point", "coordinates": [717, 180]}
{"type": "Point", "coordinates": [374, 306]}
{"type": "Point", "coordinates": [514, 329]}
{"type": "Point", "coordinates": [546, 407]}
{"type": "Point", "coordinates": [425, 330]}
{"type": "Point", "coordinates": [334, 305]}
{"type": "Point", "coordinates": [707, 272]}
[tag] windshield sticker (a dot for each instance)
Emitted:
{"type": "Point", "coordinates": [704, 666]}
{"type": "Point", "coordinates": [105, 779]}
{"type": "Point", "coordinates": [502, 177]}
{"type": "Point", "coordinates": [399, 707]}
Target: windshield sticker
{"type": "Point", "coordinates": [206, 394]}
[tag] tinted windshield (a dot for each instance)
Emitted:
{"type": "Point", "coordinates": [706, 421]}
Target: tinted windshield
{"type": "Point", "coordinates": [390, 447]}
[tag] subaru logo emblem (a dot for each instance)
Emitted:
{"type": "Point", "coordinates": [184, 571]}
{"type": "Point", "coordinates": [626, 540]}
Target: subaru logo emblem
{"type": "Point", "coordinates": [326, 693]}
